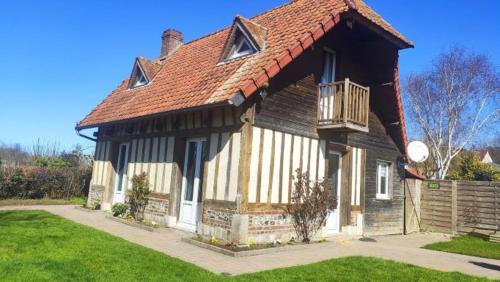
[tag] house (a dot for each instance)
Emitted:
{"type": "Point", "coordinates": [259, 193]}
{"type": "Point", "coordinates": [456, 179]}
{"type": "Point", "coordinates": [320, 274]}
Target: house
{"type": "Point", "coordinates": [222, 123]}
{"type": "Point", "coordinates": [491, 156]}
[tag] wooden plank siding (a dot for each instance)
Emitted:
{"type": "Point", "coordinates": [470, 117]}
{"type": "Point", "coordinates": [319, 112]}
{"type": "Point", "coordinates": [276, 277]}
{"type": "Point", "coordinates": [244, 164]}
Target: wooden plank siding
{"type": "Point", "coordinates": [380, 216]}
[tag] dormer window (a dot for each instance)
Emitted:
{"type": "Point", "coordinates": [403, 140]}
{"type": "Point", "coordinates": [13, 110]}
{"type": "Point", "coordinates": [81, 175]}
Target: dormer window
{"type": "Point", "coordinates": [241, 47]}
{"type": "Point", "coordinates": [138, 77]}
{"type": "Point", "coordinates": [246, 38]}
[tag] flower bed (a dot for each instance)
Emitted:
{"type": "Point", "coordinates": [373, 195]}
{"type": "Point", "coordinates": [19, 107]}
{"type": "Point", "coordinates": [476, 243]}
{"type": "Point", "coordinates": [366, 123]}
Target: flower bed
{"type": "Point", "coordinates": [132, 222]}
{"type": "Point", "coordinates": [234, 250]}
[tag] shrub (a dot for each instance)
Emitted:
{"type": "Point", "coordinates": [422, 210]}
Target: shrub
{"type": "Point", "coordinates": [138, 196]}
{"type": "Point", "coordinates": [31, 182]}
{"type": "Point", "coordinates": [470, 167]}
{"type": "Point", "coordinates": [119, 209]}
{"type": "Point", "coordinates": [309, 205]}
{"type": "Point", "coordinates": [94, 204]}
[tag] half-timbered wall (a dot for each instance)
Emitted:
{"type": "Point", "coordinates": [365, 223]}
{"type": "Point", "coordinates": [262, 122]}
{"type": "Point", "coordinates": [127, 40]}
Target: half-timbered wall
{"type": "Point", "coordinates": [153, 156]}
{"type": "Point", "coordinates": [275, 158]}
{"type": "Point", "coordinates": [222, 166]}
{"type": "Point", "coordinates": [100, 172]}
{"type": "Point", "coordinates": [156, 147]}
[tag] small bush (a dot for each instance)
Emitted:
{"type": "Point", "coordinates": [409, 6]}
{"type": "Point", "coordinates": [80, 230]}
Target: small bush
{"type": "Point", "coordinates": [310, 204]}
{"type": "Point", "coordinates": [138, 196]}
{"type": "Point", "coordinates": [119, 209]}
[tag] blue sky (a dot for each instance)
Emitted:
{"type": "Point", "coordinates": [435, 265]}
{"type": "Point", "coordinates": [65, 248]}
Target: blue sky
{"type": "Point", "coordinates": [58, 59]}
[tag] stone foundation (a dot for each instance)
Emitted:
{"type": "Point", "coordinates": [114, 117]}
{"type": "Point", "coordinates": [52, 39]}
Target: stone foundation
{"type": "Point", "coordinates": [265, 227]}
{"type": "Point", "coordinates": [96, 195]}
{"type": "Point", "coordinates": [217, 222]}
{"type": "Point", "coordinates": [157, 209]}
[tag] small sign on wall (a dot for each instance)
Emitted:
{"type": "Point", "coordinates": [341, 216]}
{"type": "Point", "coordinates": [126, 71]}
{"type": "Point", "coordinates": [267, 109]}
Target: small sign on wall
{"type": "Point", "coordinates": [433, 185]}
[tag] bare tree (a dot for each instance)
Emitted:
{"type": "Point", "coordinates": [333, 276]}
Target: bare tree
{"type": "Point", "coordinates": [453, 102]}
{"type": "Point", "coordinates": [46, 148]}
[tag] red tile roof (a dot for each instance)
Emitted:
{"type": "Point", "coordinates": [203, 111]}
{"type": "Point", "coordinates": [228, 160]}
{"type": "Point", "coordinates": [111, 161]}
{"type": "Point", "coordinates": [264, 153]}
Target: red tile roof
{"type": "Point", "coordinates": [193, 76]}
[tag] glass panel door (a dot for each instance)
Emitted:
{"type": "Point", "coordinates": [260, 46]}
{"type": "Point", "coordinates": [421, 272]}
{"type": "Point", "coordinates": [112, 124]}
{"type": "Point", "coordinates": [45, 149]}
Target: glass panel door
{"type": "Point", "coordinates": [190, 171]}
{"type": "Point", "coordinates": [328, 68]}
{"type": "Point", "coordinates": [189, 213]}
{"type": "Point", "coordinates": [121, 174]}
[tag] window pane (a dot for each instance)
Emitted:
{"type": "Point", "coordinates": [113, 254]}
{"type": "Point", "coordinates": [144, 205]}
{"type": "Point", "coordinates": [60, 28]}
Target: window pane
{"type": "Point", "coordinates": [383, 178]}
{"type": "Point", "coordinates": [382, 185]}
{"type": "Point", "coordinates": [190, 171]}
{"type": "Point", "coordinates": [202, 168]}
{"type": "Point", "coordinates": [328, 68]}
{"type": "Point", "coordinates": [244, 48]}
{"type": "Point", "coordinates": [121, 166]}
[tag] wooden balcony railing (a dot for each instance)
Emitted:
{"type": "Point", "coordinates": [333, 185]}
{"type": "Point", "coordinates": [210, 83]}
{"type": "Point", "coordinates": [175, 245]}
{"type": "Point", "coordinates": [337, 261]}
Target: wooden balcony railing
{"type": "Point", "coordinates": [343, 104]}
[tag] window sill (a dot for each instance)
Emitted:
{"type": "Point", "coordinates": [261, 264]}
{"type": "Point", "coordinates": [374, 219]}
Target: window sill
{"type": "Point", "coordinates": [383, 198]}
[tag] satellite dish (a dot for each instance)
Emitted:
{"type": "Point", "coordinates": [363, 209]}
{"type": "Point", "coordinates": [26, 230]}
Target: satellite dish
{"type": "Point", "coordinates": [418, 151]}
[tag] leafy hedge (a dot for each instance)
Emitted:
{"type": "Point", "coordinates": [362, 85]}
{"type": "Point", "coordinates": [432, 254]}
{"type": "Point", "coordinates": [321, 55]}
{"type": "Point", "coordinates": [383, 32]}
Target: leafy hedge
{"type": "Point", "coordinates": [44, 182]}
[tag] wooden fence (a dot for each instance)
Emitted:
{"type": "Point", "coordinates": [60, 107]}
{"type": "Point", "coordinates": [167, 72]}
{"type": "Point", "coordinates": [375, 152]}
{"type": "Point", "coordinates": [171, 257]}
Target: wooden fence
{"type": "Point", "coordinates": [455, 206]}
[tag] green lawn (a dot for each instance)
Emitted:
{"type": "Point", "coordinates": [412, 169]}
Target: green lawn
{"type": "Point", "coordinates": [44, 201]}
{"type": "Point", "coordinates": [38, 246]}
{"type": "Point", "coordinates": [468, 245]}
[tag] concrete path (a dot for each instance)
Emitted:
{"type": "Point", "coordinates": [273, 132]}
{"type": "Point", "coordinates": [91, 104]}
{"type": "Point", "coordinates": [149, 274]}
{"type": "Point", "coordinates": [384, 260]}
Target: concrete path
{"type": "Point", "coordinates": [399, 248]}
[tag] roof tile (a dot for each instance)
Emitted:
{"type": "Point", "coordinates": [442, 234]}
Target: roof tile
{"type": "Point", "coordinates": [193, 75]}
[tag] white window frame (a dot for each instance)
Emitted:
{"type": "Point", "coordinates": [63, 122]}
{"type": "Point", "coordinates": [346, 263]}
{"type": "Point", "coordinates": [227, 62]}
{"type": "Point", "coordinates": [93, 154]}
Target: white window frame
{"type": "Point", "coordinates": [137, 83]}
{"type": "Point", "coordinates": [234, 50]}
{"type": "Point", "coordinates": [233, 54]}
{"type": "Point", "coordinates": [119, 193]}
{"type": "Point", "coordinates": [387, 194]}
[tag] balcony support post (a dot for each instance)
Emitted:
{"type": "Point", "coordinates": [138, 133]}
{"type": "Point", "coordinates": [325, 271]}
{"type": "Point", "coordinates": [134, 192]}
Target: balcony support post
{"type": "Point", "coordinates": [367, 106]}
{"type": "Point", "coordinates": [346, 100]}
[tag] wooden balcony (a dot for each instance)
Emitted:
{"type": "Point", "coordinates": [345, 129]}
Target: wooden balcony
{"type": "Point", "coordinates": [343, 105]}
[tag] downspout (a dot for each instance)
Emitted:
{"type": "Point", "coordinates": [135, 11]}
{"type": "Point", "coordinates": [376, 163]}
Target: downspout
{"type": "Point", "coordinates": [85, 136]}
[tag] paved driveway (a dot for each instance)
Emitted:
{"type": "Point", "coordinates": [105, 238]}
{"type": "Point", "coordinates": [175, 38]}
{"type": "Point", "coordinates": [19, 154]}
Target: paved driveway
{"type": "Point", "coordinates": [400, 248]}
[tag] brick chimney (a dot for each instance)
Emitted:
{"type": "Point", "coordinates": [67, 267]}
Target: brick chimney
{"type": "Point", "coordinates": [170, 41]}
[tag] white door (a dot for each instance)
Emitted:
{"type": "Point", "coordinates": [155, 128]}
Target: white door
{"type": "Point", "coordinates": [121, 174]}
{"type": "Point", "coordinates": [334, 172]}
{"type": "Point", "coordinates": [189, 213]}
